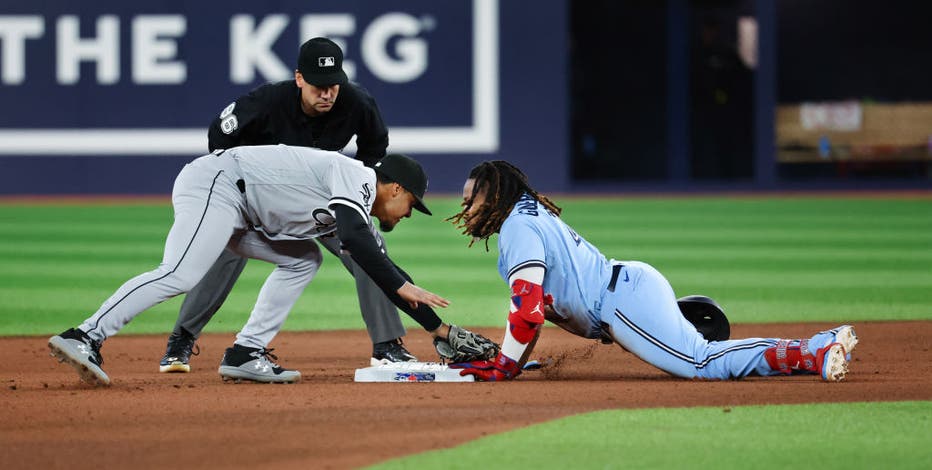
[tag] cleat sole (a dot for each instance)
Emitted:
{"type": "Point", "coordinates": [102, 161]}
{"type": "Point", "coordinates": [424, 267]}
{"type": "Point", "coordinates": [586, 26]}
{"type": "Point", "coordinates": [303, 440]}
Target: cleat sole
{"type": "Point", "coordinates": [239, 380]}
{"type": "Point", "coordinates": [86, 374]}
{"type": "Point", "coordinates": [236, 375]}
{"type": "Point", "coordinates": [834, 364]}
{"type": "Point", "coordinates": [176, 367]}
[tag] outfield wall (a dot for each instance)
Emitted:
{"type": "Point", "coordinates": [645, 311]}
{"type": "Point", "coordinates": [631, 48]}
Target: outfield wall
{"type": "Point", "coordinates": [113, 98]}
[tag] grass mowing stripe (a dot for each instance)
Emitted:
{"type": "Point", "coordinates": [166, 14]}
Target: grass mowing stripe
{"type": "Point", "coordinates": [763, 234]}
{"type": "Point", "coordinates": [827, 277]}
{"type": "Point", "coordinates": [824, 436]}
{"type": "Point", "coordinates": [819, 283]}
{"type": "Point", "coordinates": [692, 250]}
{"type": "Point", "coordinates": [762, 259]}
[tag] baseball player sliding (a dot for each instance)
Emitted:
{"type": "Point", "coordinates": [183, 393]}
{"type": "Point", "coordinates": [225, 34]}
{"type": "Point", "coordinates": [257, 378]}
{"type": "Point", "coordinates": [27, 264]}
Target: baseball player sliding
{"type": "Point", "coordinates": [556, 274]}
{"type": "Point", "coordinates": [269, 203]}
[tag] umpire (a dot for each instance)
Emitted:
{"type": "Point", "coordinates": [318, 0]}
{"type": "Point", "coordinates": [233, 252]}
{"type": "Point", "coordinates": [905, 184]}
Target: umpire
{"type": "Point", "coordinates": [306, 112]}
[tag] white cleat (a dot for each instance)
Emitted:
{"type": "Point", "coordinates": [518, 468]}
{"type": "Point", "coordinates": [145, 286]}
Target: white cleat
{"type": "Point", "coordinates": [846, 336]}
{"type": "Point", "coordinates": [834, 365]}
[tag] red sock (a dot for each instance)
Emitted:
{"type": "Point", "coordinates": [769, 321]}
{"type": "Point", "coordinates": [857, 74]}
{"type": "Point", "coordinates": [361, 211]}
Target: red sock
{"type": "Point", "coordinates": [792, 355]}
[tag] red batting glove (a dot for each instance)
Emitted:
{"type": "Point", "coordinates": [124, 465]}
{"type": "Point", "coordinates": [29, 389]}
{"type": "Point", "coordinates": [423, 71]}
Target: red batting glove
{"type": "Point", "coordinates": [502, 368]}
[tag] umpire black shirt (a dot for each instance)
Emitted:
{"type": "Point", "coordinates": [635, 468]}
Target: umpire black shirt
{"type": "Point", "coordinates": [271, 114]}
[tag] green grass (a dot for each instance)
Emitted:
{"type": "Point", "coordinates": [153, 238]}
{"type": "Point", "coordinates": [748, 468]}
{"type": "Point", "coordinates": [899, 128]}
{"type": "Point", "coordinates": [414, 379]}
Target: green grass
{"type": "Point", "coordinates": [764, 260]}
{"type": "Point", "coordinates": [825, 436]}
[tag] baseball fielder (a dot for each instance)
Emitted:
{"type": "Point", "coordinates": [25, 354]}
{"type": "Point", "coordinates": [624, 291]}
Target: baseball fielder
{"type": "Point", "coordinates": [552, 269]}
{"type": "Point", "coordinates": [319, 108]}
{"type": "Point", "coordinates": [268, 203]}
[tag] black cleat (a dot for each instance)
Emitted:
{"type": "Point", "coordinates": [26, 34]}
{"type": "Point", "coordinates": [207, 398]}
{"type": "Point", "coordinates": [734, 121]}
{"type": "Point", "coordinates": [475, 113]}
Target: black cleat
{"type": "Point", "coordinates": [178, 352]}
{"type": "Point", "coordinates": [390, 351]}
{"type": "Point", "coordinates": [81, 352]}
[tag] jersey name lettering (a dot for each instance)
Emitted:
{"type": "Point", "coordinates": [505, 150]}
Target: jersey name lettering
{"type": "Point", "coordinates": [527, 205]}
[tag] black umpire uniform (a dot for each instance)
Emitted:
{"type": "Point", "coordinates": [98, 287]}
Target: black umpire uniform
{"type": "Point", "coordinates": [272, 114]}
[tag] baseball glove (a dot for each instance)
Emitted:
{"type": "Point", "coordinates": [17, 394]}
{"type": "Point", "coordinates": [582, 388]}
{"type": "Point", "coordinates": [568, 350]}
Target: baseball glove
{"type": "Point", "coordinates": [463, 345]}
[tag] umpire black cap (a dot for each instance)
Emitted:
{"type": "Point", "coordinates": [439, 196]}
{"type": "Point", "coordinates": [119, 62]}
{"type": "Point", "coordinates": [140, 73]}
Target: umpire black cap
{"type": "Point", "coordinates": [407, 172]}
{"type": "Point", "coordinates": [321, 62]}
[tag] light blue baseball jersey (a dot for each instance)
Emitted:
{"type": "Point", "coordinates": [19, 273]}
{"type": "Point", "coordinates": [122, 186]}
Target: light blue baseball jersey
{"type": "Point", "coordinates": [576, 272]}
{"type": "Point", "coordinates": [639, 313]}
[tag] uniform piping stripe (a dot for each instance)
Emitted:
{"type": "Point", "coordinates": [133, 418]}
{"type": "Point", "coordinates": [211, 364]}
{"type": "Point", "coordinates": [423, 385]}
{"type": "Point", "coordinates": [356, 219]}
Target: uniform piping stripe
{"type": "Point", "coordinates": [739, 347]}
{"type": "Point", "coordinates": [528, 264]}
{"type": "Point", "coordinates": [652, 340]}
{"type": "Point", "coordinates": [686, 357]}
{"type": "Point", "coordinates": [343, 200]}
{"type": "Point", "coordinates": [351, 203]}
{"type": "Point", "coordinates": [190, 242]}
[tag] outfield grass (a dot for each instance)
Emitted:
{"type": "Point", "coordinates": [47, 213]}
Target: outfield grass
{"type": "Point", "coordinates": [764, 260]}
{"type": "Point", "coordinates": [825, 436]}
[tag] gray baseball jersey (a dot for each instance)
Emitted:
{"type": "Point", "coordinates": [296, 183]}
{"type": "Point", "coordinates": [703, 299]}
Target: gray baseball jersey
{"type": "Point", "coordinates": [225, 200]}
{"type": "Point", "coordinates": [289, 190]}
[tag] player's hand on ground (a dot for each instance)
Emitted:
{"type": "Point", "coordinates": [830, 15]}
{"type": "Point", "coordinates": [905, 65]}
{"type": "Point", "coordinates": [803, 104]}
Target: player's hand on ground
{"type": "Point", "coordinates": [501, 368]}
{"type": "Point", "coordinates": [415, 295]}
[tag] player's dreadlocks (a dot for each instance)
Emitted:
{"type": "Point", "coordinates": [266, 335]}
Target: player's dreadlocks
{"type": "Point", "coordinates": [503, 185]}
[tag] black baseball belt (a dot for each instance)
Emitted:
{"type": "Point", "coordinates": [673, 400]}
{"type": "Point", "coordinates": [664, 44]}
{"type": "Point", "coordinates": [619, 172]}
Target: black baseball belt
{"type": "Point", "coordinates": [616, 269]}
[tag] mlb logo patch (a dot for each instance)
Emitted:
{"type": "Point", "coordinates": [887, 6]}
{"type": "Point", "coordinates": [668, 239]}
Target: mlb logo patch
{"type": "Point", "coordinates": [326, 62]}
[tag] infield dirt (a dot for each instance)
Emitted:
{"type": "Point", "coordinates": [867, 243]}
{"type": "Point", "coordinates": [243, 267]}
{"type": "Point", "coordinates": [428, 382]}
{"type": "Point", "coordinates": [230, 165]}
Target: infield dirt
{"type": "Point", "coordinates": [48, 419]}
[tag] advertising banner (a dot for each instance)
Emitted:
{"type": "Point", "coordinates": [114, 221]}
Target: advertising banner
{"type": "Point", "coordinates": [113, 97]}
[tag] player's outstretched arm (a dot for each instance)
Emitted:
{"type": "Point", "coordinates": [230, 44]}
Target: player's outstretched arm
{"type": "Point", "coordinates": [357, 239]}
{"type": "Point", "coordinates": [415, 295]}
{"type": "Point", "coordinates": [524, 322]}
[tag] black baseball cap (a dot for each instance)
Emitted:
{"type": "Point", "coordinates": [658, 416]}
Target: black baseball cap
{"type": "Point", "coordinates": [407, 172]}
{"type": "Point", "coordinates": [321, 62]}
